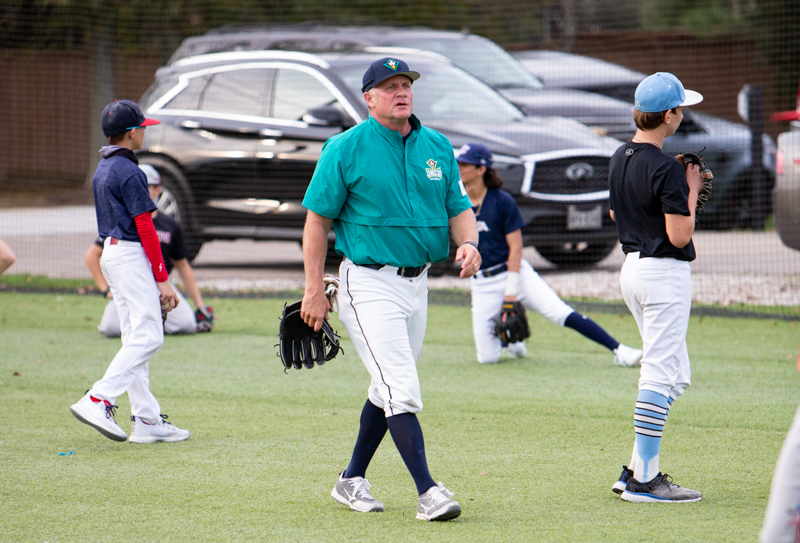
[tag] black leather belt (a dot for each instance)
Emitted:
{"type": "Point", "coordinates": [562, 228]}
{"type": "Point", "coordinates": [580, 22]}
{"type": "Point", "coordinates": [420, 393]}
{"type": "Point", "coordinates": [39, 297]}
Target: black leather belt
{"type": "Point", "coordinates": [494, 270]}
{"type": "Point", "coordinates": [402, 272]}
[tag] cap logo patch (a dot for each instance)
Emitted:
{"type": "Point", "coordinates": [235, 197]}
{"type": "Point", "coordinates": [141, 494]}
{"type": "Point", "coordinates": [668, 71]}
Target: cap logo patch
{"type": "Point", "coordinates": [391, 64]}
{"type": "Point", "coordinates": [432, 170]}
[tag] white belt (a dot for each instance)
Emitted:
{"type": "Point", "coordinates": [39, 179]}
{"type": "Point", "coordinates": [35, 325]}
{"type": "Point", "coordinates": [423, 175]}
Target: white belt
{"type": "Point", "coordinates": [121, 242]}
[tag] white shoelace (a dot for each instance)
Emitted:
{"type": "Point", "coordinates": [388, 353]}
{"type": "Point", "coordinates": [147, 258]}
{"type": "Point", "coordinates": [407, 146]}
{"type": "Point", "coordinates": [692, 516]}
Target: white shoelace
{"type": "Point", "coordinates": [361, 489]}
{"type": "Point", "coordinates": [442, 494]}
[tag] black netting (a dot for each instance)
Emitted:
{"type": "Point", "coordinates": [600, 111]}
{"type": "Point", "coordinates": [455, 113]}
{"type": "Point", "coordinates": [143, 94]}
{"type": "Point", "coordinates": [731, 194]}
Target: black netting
{"type": "Point", "coordinates": [238, 144]}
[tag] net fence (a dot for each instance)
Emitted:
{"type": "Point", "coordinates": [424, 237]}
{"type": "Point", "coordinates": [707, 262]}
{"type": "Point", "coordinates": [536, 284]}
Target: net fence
{"type": "Point", "coordinates": [545, 84]}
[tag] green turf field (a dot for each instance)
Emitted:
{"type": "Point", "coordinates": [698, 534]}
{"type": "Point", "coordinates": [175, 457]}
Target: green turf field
{"type": "Point", "coordinates": [531, 447]}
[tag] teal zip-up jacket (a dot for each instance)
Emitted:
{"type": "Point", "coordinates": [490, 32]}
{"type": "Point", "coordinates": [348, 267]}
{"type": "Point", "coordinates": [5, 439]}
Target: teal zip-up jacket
{"type": "Point", "coordinates": [390, 203]}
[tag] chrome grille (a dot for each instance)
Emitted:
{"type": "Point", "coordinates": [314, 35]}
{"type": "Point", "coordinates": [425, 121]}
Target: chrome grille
{"type": "Point", "coordinates": [572, 175]}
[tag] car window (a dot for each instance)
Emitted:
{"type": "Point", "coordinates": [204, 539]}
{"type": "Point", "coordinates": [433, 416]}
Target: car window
{"type": "Point", "coordinates": [189, 98]}
{"type": "Point", "coordinates": [482, 58]}
{"type": "Point", "coordinates": [238, 92]}
{"type": "Point", "coordinates": [296, 92]}
{"type": "Point", "coordinates": [446, 93]}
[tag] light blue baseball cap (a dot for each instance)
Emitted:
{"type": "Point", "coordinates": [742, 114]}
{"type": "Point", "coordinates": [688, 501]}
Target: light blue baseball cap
{"type": "Point", "coordinates": [662, 91]}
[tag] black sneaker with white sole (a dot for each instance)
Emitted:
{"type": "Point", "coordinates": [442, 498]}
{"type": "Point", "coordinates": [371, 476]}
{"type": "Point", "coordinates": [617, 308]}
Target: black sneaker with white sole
{"type": "Point", "coordinates": [619, 486]}
{"type": "Point", "coordinates": [660, 490]}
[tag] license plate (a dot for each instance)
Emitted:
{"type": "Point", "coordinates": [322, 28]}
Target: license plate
{"type": "Point", "coordinates": [590, 219]}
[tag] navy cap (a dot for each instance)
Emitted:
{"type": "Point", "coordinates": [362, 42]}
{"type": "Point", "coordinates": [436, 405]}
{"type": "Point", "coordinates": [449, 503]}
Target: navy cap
{"type": "Point", "coordinates": [475, 153]}
{"type": "Point", "coordinates": [122, 115]}
{"type": "Point", "coordinates": [662, 91]}
{"type": "Point", "coordinates": [381, 70]}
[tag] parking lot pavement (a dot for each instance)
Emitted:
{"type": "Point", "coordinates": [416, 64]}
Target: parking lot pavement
{"type": "Point", "coordinates": [739, 266]}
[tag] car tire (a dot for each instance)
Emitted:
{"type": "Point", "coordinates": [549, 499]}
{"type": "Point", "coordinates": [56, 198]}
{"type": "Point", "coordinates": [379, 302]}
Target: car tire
{"type": "Point", "coordinates": [332, 258]}
{"type": "Point", "coordinates": [176, 202]}
{"type": "Point", "coordinates": [577, 255]}
{"type": "Point", "coordinates": [448, 267]}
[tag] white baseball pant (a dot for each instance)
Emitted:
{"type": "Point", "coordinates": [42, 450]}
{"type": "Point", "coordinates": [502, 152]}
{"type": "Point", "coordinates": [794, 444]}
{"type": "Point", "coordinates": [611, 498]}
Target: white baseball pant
{"type": "Point", "coordinates": [487, 298]}
{"type": "Point", "coordinates": [180, 320]}
{"type": "Point", "coordinates": [658, 292]}
{"type": "Point", "coordinates": [385, 315]}
{"type": "Point", "coordinates": [782, 520]}
{"type": "Point", "coordinates": [136, 295]}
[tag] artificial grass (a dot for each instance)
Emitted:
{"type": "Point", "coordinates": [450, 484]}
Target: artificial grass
{"type": "Point", "coordinates": [530, 446]}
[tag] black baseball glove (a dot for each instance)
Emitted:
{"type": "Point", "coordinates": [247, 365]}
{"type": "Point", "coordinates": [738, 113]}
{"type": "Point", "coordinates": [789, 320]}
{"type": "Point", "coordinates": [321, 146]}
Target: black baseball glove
{"type": "Point", "coordinates": [300, 345]}
{"type": "Point", "coordinates": [705, 174]}
{"type": "Point", "coordinates": [511, 325]}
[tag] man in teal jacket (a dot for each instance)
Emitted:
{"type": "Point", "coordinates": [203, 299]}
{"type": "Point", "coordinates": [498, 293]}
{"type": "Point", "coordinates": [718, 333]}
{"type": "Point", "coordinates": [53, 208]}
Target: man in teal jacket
{"type": "Point", "coordinates": [391, 190]}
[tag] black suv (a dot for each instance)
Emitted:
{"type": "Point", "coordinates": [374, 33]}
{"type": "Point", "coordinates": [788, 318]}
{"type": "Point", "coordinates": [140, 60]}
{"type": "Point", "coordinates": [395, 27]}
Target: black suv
{"type": "Point", "coordinates": [241, 133]}
{"type": "Point", "coordinates": [477, 55]}
{"type": "Point", "coordinates": [726, 144]}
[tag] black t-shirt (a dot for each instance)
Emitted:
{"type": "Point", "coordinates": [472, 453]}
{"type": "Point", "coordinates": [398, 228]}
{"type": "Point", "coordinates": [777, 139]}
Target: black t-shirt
{"type": "Point", "coordinates": [171, 238]}
{"type": "Point", "coordinates": [645, 184]}
{"type": "Point", "coordinates": [497, 217]}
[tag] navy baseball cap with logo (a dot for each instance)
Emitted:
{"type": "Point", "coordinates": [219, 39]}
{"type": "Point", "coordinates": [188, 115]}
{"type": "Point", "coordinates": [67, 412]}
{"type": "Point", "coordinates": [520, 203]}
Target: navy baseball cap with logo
{"type": "Point", "coordinates": [475, 153]}
{"type": "Point", "coordinates": [381, 70]}
{"type": "Point", "coordinates": [662, 91]}
{"type": "Point", "coordinates": [122, 115]}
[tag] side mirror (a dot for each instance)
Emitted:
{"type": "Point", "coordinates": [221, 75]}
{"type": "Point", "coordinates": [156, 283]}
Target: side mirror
{"type": "Point", "coordinates": [324, 116]}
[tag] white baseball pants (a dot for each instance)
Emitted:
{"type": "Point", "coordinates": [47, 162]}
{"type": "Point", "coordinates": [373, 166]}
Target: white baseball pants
{"type": "Point", "coordinates": [385, 315]}
{"type": "Point", "coordinates": [783, 511]}
{"type": "Point", "coordinates": [136, 295]}
{"type": "Point", "coordinates": [658, 291]}
{"type": "Point", "coordinates": [180, 320]}
{"type": "Point", "coordinates": [487, 298]}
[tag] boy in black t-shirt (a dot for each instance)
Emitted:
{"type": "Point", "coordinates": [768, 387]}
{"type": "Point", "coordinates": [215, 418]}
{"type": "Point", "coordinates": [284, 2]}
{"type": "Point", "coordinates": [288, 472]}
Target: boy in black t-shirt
{"type": "Point", "coordinates": [653, 199]}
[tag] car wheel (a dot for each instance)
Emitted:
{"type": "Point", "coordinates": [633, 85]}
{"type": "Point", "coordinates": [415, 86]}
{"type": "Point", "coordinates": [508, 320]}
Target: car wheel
{"type": "Point", "coordinates": [176, 202]}
{"type": "Point", "coordinates": [448, 267]}
{"type": "Point", "coordinates": [332, 258]}
{"type": "Point", "coordinates": [577, 255]}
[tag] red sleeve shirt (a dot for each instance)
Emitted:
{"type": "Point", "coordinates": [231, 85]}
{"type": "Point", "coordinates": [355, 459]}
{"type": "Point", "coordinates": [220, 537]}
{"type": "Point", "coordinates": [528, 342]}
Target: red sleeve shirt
{"type": "Point", "coordinates": [151, 245]}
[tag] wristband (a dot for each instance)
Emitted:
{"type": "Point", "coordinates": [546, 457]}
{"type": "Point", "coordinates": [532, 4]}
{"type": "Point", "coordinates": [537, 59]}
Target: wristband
{"type": "Point", "coordinates": [474, 244]}
{"type": "Point", "coordinates": [512, 283]}
{"type": "Point", "coordinates": [104, 293]}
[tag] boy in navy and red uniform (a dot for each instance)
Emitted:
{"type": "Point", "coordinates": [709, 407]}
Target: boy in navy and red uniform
{"type": "Point", "coordinates": [181, 320]}
{"type": "Point", "coordinates": [138, 279]}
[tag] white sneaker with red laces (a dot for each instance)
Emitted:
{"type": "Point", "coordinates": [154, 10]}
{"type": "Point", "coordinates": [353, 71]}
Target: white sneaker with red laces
{"type": "Point", "coordinates": [146, 432]}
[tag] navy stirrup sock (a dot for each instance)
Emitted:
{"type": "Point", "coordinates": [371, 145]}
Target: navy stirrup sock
{"type": "Point", "coordinates": [590, 329]}
{"type": "Point", "coordinates": [370, 434]}
{"type": "Point", "coordinates": [407, 436]}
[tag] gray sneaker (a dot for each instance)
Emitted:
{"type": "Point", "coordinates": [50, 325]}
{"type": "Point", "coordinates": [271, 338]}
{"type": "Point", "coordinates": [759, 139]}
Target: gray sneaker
{"type": "Point", "coordinates": [354, 493]}
{"type": "Point", "coordinates": [436, 504]}
{"type": "Point", "coordinates": [660, 489]}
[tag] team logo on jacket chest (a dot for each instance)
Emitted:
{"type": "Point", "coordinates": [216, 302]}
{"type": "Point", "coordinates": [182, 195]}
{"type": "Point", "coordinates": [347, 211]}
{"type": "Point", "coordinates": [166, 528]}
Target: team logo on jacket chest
{"type": "Point", "coordinates": [433, 171]}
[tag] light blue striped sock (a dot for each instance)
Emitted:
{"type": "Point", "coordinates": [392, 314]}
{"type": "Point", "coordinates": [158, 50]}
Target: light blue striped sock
{"type": "Point", "coordinates": [649, 418]}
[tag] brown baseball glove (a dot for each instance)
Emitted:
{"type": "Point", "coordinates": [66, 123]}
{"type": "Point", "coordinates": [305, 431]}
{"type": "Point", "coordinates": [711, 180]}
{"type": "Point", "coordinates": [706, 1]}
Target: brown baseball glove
{"type": "Point", "coordinates": [705, 174]}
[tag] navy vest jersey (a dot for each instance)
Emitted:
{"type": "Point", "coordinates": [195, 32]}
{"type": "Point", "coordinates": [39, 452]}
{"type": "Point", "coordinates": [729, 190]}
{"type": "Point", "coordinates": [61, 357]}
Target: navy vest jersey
{"type": "Point", "coordinates": [497, 216]}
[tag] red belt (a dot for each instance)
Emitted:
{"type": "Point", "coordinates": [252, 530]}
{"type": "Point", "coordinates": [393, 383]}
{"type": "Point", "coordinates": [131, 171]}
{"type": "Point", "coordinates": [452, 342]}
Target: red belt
{"type": "Point", "coordinates": [113, 241]}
